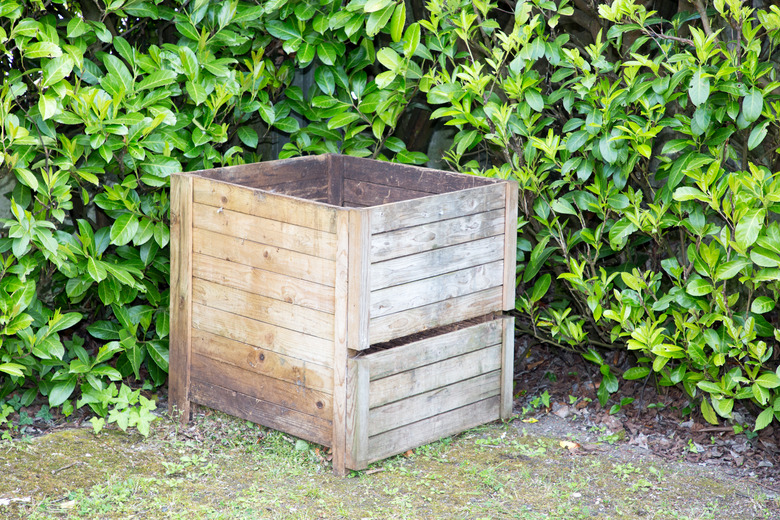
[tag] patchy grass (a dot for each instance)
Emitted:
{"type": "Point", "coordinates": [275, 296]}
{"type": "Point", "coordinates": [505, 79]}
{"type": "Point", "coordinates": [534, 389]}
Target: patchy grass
{"type": "Point", "coordinates": [228, 469]}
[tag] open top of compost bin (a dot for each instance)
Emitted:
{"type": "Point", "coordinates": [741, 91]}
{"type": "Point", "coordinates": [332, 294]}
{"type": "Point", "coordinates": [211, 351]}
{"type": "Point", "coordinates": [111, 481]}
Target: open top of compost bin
{"type": "Point", "coordinates": [344, 181]}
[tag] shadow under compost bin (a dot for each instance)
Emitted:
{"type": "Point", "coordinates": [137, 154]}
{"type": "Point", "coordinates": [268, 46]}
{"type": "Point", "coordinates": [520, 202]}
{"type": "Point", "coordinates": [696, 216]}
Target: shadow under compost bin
{"type": "Point", "coordinates": [349, 302]}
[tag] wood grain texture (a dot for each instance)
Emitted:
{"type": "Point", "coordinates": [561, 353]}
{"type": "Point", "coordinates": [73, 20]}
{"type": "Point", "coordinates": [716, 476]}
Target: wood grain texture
{"type": "Point", "coordinates": [510, 246]}
{"type": "Point", "coordinates": [289, 395]}
{"type": "Point", "coordinates": [433, 376]}
{"type": "Point", "coordinates": [261, 308]}
{"type": "Point", "coordinates": [272, 415]}
{"type": "Point", "coordinates": [435, 235]}
{"type": "Point", "coordinates": [264, 204]}
{"type": "Point", "coordinates": [264, 283]}
{"type": "Point", "coordinates": [264, 335]}
{"type": "Point", "coordinates": [180, 295]}
{"type": "Point", "coordinates": [336, 179]}
{"type": "Point", "coordinates": [362, 193]}
{"type": "Point", "coordinates": [416, 212]}
{"type": "Point", "coordinates": [340, 343]}
{"type": "Point", "coordinates": [265, 231]}
{"type": "Point", "coordinates": [263, 361]}
{"type": "Point", "coordinates": [357, 414]}
{"type": "Point", "coordinates": [437, 348]}
{"type": "Point", "coordinates": [263, 256]}
{"type": "Point", "coordinates": [438, 261]}
{"type": "Point", "coordinates": [435, 289]}
{"type": "Point", "coordinates": [271, 173]}
{"type": "Point", "coordinates": [429, 404]}
{"type": "Point", "coordinates": [409, 177]}
{"type": "Point", "coordinates": [434, 428]}
{"type": "Point", "coordinates": [434, 315]}
{"type": "Point", "coordinates": [358, 280]}
{"type": "Point", "coordinates": [507, 367]}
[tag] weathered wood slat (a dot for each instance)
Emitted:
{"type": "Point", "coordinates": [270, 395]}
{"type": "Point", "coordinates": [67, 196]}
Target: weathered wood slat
{"type": "Point", "coordinates": [263, 256]}
{"type": "Point", "coordinates": [430, 350]}
{"type": "Point", "coordinates": [309, 189]}
{"type": "Point", "coordinates": [180, 295]}
{"type": "Point", "coordinates": [359, 295]}
{"type": "Point", "coordinates": [357, 413]}
{"type": "Point", "coordinates": [438, 261]}
{"type": "Point", "coordinates": [262, 412]}
{"type": "Point", "coordinates": [335, 180]}
{"type": "Point", "coordinates": [263, 204]}
{"type": "Point", "coordinates": [283, 341]}
{"type": "Point", "coordinates": [409, 241]}
{"type": "Point", "coordinates": [260, 308]}
{"type": "Point", "coordinates": [433, 376]}
{"type": "Point", "coordinates": [440, 400]}
{"type": "Point", "coordinates": [340, 343]}
{"type": "Point", "coordinates": [409, 177]}
{"type": "Point", "coordinates": [265, 283]}
{"type": "Point", "coordinates": [265, 231]}
{"type": "Point", "coordinates": [416, 212]}
{"type": "Point", "coordinates": [302, 399]}
{"type": "Point", "coordinates": [507, 367]}
{"type": "Point", "coordinates": [431, 290]}
{"type": "Point", "coordinates": [434, 315]}
{"type": "Point", "coordinates": [510, 246]}
{"type": "Point", "coordinates": [396, 441]}
{"type": "Point", "coordinates": [266, 175]}
{"type": "Point", "coordinates": [362, 193]}
{"type": "Point", "coordinates": [262, 361]}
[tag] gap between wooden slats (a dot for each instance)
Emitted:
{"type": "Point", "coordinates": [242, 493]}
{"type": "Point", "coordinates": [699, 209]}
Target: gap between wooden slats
{"type": "Point", "coordinates": [295, 291]}
{"type": "Point", "coordinates": [263, 361]}
{"type": "Point", "coordinates": [432, 350]}
{"type": "Point", "coordinates": [438, 261]}
{"type": "Point", "coordinates": [252, 332]}
{"type": "Point", "coordinates": [262, 412]}
{"type": "Point", "coordinates": [260, 308]}
{"type": "Point", "coordinates": [266, 257]}
{"type": "Point", "coordinates": [434, 428]}
{"type": "Point", "coordinates": [435, 235]}
{"type": "Point", "coordinates": [435, 289]}
{"type": "Point", "coordinates": [283, 208]}
{"type": "Point", "coordinates": [265, 231]}
{"type": "Point", "coordinates": [436, 375]}
{"type": "Point", "coordinates": [436, 401]}
{"type": "Point", "coordinates": [410, 213]}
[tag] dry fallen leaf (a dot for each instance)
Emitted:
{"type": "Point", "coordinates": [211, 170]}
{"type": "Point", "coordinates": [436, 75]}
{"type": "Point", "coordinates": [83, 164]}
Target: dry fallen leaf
{"type": "Point", "coordinates": [408, 454]}
{"type": "Point", "coordinates": [569, 445]}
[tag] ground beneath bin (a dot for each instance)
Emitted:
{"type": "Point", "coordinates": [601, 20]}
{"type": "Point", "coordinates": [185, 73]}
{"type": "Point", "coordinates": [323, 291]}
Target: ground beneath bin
{"type": "Point", "coordinates": [561, 457]}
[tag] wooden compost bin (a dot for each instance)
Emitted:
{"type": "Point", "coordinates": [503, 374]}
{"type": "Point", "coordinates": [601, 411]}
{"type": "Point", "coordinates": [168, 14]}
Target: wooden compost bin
{"type": "Point", "coordinates": [349, 302]}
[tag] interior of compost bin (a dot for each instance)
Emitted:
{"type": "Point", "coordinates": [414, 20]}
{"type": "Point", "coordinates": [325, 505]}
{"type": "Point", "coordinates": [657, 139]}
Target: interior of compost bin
{"type": "Point", "coordinates": [429, 333]}
{"type": "Point", "coordinates": [345, 181]}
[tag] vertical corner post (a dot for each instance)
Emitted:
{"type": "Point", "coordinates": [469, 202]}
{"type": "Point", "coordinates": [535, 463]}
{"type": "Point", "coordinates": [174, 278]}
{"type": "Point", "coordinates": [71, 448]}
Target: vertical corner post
{"type": "Point", "coordinates": [507, 367]}
{"type": "Point", "coordinates": [510, 245]}
{"type": "Point", "coordinates": [181, 296]}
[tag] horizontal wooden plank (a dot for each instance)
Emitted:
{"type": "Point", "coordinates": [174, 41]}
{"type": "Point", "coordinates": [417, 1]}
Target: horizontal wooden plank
{"type": "Point", "coordinates": [440, 400]}
{"type": "Point", "coordinates": [434, 315]}
{"type": "Point", "coordinates": [263, 335]}
{"type": "Point", "coordinates": [263, 361]}
{"type": "Point", "coordinates": [292, 396]}
{"type": "Point", "coordinates": [265, 283]}
{"type": "Point", "coordinates": [435, 289]}
{"type": "Point", "coordinates": [261, 308]}
{"type": "Point", "coordinates": [433, 208]}
{"type": "Point", "coordinates": [264, 204]}
{"type": "Point", "coordinates": [266, 257]}
{"type": "Point", "coordinates": [431, 350]}
{"type": "Point", "coordinates": [272, 415]}
{"type": "Point", "coordinates": [408, 241]}
{"type": "Point", "coordinates": [438, 261]}
{"type": "Point", "coordinates": [362, 193]}
{"type": "Point", "coordinates": [265, 231]}
{"type": "Point", "coordinates": [409, 177]}
{"type": "Point", "coordinates": [432, 429]}
{"type": "Point", "coordinates": [437, 375]}
{"type": "Point", "coordinates": [270, 173]}
{"type": "Point", "coordinates": [315, 190]}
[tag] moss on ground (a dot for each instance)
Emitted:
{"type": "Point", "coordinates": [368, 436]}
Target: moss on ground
{"type": "Point", "coordinates": [226, 468]}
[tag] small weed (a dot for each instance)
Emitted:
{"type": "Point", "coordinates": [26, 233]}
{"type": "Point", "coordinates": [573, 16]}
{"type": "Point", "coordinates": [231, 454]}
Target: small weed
{"type": "Point", "coordinates": [625, 471]}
